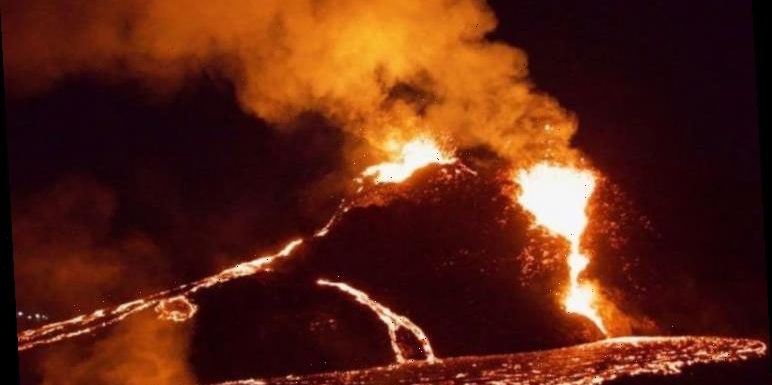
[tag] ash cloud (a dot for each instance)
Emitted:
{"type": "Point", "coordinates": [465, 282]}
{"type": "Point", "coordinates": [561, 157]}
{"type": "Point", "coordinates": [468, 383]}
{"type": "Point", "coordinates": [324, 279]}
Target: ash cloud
{"type": "Point", "coordinates": [377, 68]}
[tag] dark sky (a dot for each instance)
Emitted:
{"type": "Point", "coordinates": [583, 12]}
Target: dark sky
{"type": "Point", "coordinates": [665, 96]}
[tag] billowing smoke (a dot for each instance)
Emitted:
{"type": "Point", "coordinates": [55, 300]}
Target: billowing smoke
{"type": "Point", "coordinates": [377, 68]}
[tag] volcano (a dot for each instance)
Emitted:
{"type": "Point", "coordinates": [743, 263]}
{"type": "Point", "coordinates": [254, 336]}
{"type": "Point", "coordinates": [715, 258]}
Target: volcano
{"type": "Point", "coordinates": [435, 198]}
{"type": "Point", "coordinates": [383, 192]}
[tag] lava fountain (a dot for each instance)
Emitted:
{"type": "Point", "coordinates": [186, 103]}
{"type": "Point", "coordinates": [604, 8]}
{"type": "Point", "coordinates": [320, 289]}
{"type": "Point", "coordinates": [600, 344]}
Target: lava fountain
{"type": "Point", "coordinates": [406, 158]}
{"type": "Point", "coordinates": [557, 197]}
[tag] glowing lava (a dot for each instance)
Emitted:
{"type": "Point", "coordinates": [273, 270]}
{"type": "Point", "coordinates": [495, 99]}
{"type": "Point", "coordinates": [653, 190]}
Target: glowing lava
{"type": "Point", "coordinates": [170, 304]}
{"type": "Point", "coordinates": [629, 360]}
{"type": "Point", "coordinates": [557, 197]}
{"type": "Point", "coordinates": [392, 321]}
{"type": "Point", "coordinates": [177, 309]}
{"type": "Point", "coordinates": [406, 158]}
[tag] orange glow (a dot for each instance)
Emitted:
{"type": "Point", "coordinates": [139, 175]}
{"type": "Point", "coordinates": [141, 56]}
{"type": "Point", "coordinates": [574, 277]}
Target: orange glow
{"type": "Point", "coordinates": [627, 359]}
{"type": "Point", "coordinates": [171, 304]}
{"type": "Point", "coordinates": [557, 197]}
{"type": "Point", "coordinates": [406, 158]}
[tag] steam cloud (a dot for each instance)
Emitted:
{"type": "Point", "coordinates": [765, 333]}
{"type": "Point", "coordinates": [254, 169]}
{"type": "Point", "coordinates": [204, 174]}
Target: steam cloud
{"type": "Point", "coordinates": [377, 68]}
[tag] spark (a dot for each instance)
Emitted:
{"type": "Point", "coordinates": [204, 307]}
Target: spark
{"type": "Point", "coordinates": [557, 197]}
{"type": "Point", "coordinates": [37, 317]}
{"type": "Point", "coordinates": [393, 321]}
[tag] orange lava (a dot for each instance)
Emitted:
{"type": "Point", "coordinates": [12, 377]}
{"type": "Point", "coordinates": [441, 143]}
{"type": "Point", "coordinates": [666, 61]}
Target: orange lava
{"type": "Point", "coordinates": [406, 158]}
{"type": "Point", "coordinates": [176, 309]}
{"type": "Point", "coordinates": [600, 362]}
{"type": "Point", "coordinates": [393, 321]}
{"type": "Point", "coordinates": [557, 197]}
{"type": "Point", "coordinates": [162, 302]}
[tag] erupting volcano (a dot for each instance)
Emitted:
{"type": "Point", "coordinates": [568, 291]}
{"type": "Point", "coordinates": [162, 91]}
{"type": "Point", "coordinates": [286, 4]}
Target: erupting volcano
{"type": "Point", "coordinates": [398, 172]}
{"type": "Point", "coordinates": [556, 196]}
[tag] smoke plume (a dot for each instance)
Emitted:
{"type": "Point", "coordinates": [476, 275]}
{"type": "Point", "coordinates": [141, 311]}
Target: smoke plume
{"type": "Point", "coordinates": [140, 351]}
{"type": "Point", "coordinates": [377, 68]}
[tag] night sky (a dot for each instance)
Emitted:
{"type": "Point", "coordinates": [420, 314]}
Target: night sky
{"type": "Point", "coordinates": [135, 192]}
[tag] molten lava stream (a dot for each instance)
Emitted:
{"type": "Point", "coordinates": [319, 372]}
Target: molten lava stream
{"type": "Point", "coordinates": [162, 301]}
{"type": "Point", "coordinates": [393, 321]}
{"type": "Point", "coordinates": [557, 198]}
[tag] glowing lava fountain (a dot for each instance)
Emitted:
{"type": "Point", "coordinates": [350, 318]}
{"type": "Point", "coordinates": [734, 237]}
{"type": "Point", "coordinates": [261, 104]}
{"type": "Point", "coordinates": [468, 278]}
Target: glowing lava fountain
{"type": "Point", "coordinates": [557, 197]}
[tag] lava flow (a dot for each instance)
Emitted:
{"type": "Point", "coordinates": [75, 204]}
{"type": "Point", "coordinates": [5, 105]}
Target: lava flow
{"type": "Point", "coordinates": [393, 321]}
{"type": "Point", "coordinates": [557, 197]}
{"type": "Point", "coordinates": [173, 304]}
{"type": "Point", "coordinates": [605, 361]}
{"type": "Point", "coordinates": [162, 301]}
